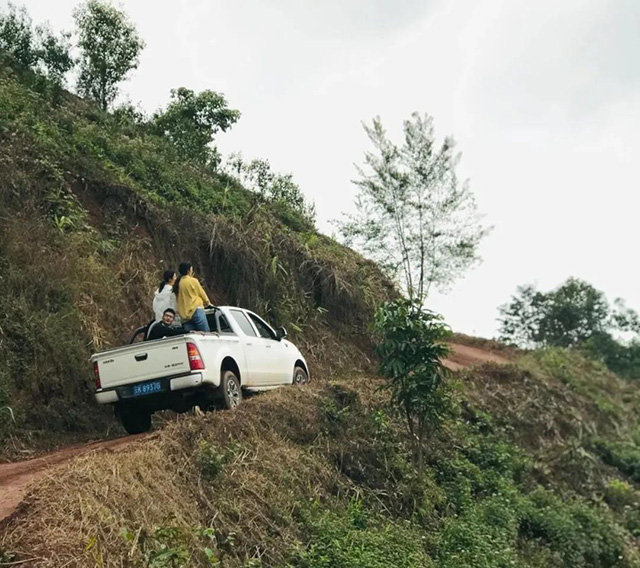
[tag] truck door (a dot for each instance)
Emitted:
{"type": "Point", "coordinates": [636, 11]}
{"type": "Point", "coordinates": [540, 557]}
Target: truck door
{"type": "Point", "coordinates": [277, 364]}
{"type": "Point", "coordinates": [253, 348]}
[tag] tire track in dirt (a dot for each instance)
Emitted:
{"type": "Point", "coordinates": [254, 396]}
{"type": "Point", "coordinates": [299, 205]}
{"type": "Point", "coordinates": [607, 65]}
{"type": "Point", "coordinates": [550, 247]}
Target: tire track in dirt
{"type": "Point", "coordinates": [17, 477]}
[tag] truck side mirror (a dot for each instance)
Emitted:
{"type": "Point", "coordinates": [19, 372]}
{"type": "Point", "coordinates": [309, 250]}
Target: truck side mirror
{"type": "Point", "coordinates": [281, 333]}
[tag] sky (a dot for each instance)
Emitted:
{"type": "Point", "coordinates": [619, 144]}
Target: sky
{"type": "Point", "coordinates": [543, 99]}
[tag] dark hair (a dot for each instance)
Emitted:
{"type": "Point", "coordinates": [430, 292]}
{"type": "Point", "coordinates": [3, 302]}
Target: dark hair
{"type": "Point", "coordinates": [168, 275]}
{"type": "Point", "coordinates": [183, 269]}
{"type": "Point", "coordinates": [170, 310]}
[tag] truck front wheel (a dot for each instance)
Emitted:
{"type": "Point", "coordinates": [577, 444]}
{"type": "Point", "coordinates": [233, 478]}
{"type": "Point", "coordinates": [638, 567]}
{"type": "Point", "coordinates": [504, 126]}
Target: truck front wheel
{"type": "Point", "coordinates": [135, 421]}
{"type": "Point", "coordinates": [300, 376]}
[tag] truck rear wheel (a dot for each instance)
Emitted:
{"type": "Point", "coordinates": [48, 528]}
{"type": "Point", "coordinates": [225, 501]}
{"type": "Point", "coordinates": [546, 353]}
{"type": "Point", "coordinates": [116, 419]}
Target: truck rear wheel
{"type": "Point", "coordinates": [136, 422]}
{"type": "Point", "coordinates": [231, 390]}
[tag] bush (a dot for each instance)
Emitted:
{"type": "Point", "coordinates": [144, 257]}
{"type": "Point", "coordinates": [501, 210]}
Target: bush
{"type": "Point", "coordinates": [355, 539]}
{"type": "Point", "coordinates": [410, 344]}
{"type": "Point", "coordinates": [624, 500]}
{"type": "Point", "coordinates": [481, 466]}
{"type": "Point", "coordinates": [209, 460]}
{"type": "Point", "coordinates": [484, 537]}
{"type": "Point", "coordinates": [621, 358]}
{"type": "Point", "coordinates": [623, 455]}
{"type": "Point", "coordinates": [579, 534]}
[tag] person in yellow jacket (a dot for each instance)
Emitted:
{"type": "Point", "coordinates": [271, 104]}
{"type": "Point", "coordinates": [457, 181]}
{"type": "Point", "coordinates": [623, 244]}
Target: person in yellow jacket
{"type": "Point", "coordinates": [191, 300]}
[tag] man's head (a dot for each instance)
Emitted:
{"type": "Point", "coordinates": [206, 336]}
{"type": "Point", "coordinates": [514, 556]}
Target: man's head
{"type": "Point", "coordinates": [168, 316]}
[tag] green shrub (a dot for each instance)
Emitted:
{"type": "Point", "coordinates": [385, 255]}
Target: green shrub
{"type": "Point", "coordinates": [209, 460]}
{"type": "Point", "coordinates": [581, 535]}
{"type": "Point", "coordinates": [411, 348]}
{"type": "Point", "coordinates": [624, 500]}
{"type": "Point", "coordinates": [482, 466]}
{"type": "Point", "coordinates": [623, 455]}
{"type": "Point", "coordinates": [619, 494]}
{"type": "Point", "coordinates": [356, 539]}
{"type": "Point", "coordinates": [167, 546]}
{"type": "Point", "coordinates": [485, 536]}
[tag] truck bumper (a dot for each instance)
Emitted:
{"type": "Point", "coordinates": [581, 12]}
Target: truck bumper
{"type": "Point", "coordinates": [178, 383]}
{"type": "Point", "coordinates": [188, 381]}
{"type": "Point", "coordinates": [105, 397]}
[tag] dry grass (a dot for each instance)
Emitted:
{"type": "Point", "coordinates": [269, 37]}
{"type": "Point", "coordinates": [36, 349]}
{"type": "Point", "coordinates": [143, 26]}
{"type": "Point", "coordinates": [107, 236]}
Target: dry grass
{"type": "Point", "coordinates": [553, 404]}
{"type": "Point", "coordinates": [250, 474]}
{"type": "Point", "coordinates": [267, 461]}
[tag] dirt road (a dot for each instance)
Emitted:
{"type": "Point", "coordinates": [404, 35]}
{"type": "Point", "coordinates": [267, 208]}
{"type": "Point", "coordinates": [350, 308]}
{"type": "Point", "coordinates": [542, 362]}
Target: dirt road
{"type": "Point", "coordinates": [15, 478]}
{"type": "Point", "coordinates": [463, 356]}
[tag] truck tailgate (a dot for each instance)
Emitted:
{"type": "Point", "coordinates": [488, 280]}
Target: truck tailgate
{"type": "Point", "coordinates": [143, 361]}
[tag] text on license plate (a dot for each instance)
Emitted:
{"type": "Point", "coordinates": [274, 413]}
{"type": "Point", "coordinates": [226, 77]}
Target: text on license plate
{"type": "Point", "coordinates": [147, 388]}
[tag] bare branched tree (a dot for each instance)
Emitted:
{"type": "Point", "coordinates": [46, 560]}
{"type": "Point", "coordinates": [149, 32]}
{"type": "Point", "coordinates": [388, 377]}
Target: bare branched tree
{"type": "Point", "coordinates": [414, 217]}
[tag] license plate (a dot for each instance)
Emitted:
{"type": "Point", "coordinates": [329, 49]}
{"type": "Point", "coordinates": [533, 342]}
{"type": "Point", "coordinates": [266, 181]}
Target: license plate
{"type": "Point", "coordinates": [147, 388]}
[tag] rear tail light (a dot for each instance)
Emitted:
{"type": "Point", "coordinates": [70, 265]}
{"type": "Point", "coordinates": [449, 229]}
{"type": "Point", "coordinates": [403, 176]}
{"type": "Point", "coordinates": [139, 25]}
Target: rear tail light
{"type": "Point", "coordinates": [195, 361]}
{"type": "Point", "coordinates": [96, 375]}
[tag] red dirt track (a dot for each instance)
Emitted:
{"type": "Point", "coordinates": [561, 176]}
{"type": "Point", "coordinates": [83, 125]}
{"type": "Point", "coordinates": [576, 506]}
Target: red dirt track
{"type": "Point", "coordinates": [463, 356]}
{"type": "Point", "coordinates": [17, 477]}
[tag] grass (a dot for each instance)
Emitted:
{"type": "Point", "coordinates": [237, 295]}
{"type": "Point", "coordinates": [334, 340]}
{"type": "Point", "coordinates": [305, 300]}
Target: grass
{"type": "Point", "coordinates": [322, 476]}
{"type": "Point", "coordinates": [354, 538]}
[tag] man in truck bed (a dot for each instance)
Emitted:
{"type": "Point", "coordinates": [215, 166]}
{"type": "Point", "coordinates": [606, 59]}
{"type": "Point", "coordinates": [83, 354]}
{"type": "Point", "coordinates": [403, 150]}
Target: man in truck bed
{"type": "Point", "coordinates": [163, 328]}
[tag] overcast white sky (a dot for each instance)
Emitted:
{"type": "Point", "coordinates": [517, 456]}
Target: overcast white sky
{"type": "Point", "coordinates": [542, 97]}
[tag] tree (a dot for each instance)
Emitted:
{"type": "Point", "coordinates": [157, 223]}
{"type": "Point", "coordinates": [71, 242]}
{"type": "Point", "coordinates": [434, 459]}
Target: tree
{"type": "Point", "coordinates": [192, 120]}
{"type": "Point", "coordinates": [414, 217]}
{"type": "Point", "coordinates": [40, 49]}
{"type": "Point", "coordinates": [410, 346]}
{"type": "Point", "coordinates": [255, 175]}
{"type": "Point", "coordinates": [621, 358]}
{"type": "Point", "coordinates": [258, 176]}
{"type": "Point", "coordinates": [109, 46]}
{"type": "Point", "coordinates": [575, 315]}
{"type": "Point", "coordinates": [17, 37]}
{"type": "Point", "coordinates": [564, 317]}
{"type": "Point", "coordinates": [54, 54]}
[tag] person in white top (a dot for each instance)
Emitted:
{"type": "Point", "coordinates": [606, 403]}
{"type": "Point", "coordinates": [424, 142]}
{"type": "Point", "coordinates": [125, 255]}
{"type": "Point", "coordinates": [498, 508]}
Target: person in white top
{"type": "Point", "coordinates": [164, 297]}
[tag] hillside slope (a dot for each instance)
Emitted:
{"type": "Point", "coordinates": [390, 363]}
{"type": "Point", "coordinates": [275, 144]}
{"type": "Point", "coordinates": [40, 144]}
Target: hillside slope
{"type": "Point", "coordinates": [93, 208]}
{"type": "Point", "coordinates": [538, 463]}
{"type": "Point", "coordinates": [17, 477]}
{"type": "Point", "coordinates": [535, 468]}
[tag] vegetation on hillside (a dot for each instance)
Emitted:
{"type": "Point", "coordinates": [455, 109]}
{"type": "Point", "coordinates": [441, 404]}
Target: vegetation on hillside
{"type": "Point", "coordinates": [191, 121]}
{"type": "Point", "coordinates": [516, 476]}
{"type": "Point", "coordinates": [108, 202]}
{"type": "Point", "coordinates": [35, 48]}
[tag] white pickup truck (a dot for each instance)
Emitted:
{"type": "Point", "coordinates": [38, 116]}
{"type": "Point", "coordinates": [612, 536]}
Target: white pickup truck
{"type": "Point", "coordinates": [180, 372]}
